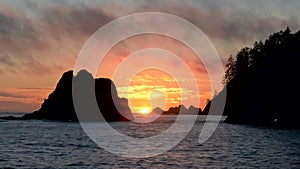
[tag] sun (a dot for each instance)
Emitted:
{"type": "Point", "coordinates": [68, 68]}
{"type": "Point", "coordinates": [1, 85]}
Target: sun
{"type": "Point", "coordinates": [145, 110]}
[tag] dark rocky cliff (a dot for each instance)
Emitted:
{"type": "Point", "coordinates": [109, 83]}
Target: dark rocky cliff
{"type": "Point", "coordinates": [59, 105]}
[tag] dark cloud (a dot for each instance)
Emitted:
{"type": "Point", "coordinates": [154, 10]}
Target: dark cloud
{"type": "Point", "coordinates": [16, 27]}
{"type": "Point", "coordinates": [232, 25]}
{"type": "Point", "coordinates": [37, 67]}
{"type": "Point", "coordinates": [12, 95]}
{"type": "Point", "coordinates": [237, 25]}
{"type": "Point", "coordinates": [71, 21]}
{"type": "Point", "coordinates": [58, 29]}
{"type": "Point", "coordinates": [39, 39]}
{"type": "Point", "coordinates": [6, 60]}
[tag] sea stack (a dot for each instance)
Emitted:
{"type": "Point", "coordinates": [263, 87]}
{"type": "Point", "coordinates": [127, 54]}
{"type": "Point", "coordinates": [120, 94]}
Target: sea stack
{"type": "Point", "coordinates": [59, 105]}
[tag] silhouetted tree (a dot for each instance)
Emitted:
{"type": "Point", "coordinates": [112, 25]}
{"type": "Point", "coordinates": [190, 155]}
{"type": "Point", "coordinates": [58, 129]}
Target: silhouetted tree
{"type": "Point", "coordinates": [261, 82]}
{"type": "Point", "coordinates": [255, 53]}
{"type": "Point", "coordinates": [231, 69]}
{"type": "Point", "coordinates": [242, 61]}
{"type": "Point", "coordinates": [260, 54]}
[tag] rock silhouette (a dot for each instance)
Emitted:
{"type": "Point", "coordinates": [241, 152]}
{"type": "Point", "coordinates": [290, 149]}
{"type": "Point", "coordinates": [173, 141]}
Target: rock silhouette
{"type": "Point", "coordinates": [262, 83]}
{"type": "Point", "coordinates": [195, 109]}
{"type": "Point", "coordinates": [59, 105]}
{"type": "Point", "coordinates": [184, 111]}
{"type": "Point", "coordinates": [157, 110]}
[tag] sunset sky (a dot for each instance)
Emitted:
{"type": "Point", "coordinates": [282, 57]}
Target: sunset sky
{"type": "Point", "coordinates": [39, 40]}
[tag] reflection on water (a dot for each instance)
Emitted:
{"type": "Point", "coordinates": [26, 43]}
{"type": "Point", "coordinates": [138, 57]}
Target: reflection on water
{"type": "Point", "coordinates": [44, 144]}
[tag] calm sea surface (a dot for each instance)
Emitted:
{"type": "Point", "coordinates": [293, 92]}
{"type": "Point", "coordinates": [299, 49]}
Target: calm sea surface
{"type": "Point", "coordinates": [47, 144]}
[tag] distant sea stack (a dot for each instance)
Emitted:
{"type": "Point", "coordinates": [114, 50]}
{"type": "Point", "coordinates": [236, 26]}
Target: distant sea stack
{"type": "Point", "coordinates": [263, 83]}
{"type": "Point", "coordinates": [59, 105]}
{"type": "Point", "coordinates": [175, 111]}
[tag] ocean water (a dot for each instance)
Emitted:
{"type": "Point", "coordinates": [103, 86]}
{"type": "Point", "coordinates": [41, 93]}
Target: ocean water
{"type": "Point", "coordinates": [48, 144]}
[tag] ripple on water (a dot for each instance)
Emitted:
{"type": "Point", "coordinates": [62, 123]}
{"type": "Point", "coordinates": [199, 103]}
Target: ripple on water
{"type": "Point", "coordinates": [33, 143]}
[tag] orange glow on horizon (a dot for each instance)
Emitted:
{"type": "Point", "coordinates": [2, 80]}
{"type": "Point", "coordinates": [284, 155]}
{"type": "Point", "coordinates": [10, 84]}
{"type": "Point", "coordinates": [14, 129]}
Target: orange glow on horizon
{"type": "Point", "coordinates": [145, 82]}
{"type": "Point", "coordinates": [153, 88]}
{"type": "Point", "coordinates": [145, 110]}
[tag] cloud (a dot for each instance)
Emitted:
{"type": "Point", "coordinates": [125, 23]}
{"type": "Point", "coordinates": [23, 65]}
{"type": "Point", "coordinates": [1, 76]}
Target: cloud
{"type": "Point", "coordinates": [12, 106]}
{"type": "Point", "coordinates": [36, 88]}
{"type": "Point", "coordinates": [69, 20]}
{"type": "Point", "coordinates": [17, 27]}
{"type": "Point", "coordinates": [31, 98]}
{"type": "Point", "coordinates": [230, 24]}
{"type": "Point", "coordinates": [6, 60]}
{"type": "Point", "coordinates": [12, 95]}
{"type": "Point", "coordinates": [38, 67]}
{"type": "Point", "coordinates": [50, 31]}
{"type": "Point", "coordinates": [39, 39]}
